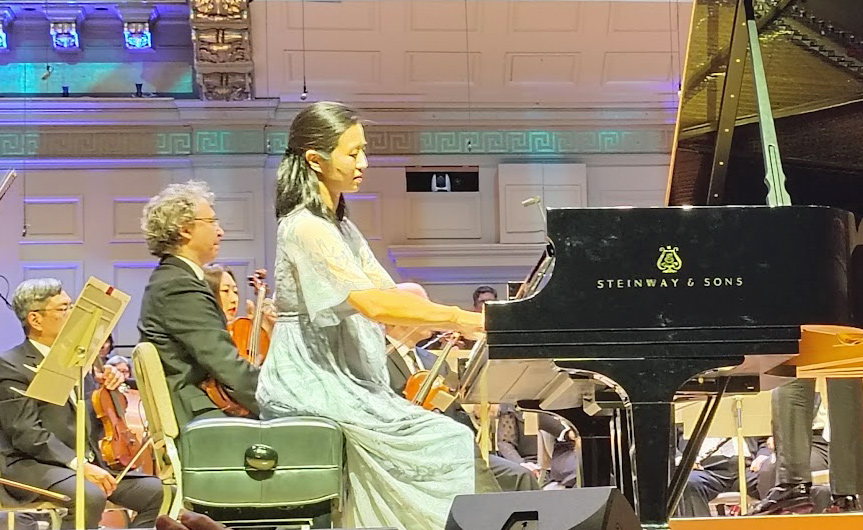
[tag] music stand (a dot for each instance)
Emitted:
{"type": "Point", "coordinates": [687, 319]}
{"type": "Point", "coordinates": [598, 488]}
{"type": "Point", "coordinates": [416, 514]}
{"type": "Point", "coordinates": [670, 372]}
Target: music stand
{"type": "Point", "coordinates": [92, 318]}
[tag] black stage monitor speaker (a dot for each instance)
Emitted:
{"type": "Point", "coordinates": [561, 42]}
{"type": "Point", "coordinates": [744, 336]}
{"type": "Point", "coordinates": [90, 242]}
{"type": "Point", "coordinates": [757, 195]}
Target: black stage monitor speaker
{"type": "Point", "coordinates": [572, 509]}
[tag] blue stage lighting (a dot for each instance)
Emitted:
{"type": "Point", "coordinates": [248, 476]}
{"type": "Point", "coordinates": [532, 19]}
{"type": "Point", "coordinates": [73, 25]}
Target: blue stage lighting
{"type": "Point", "coordinates": [137, 36]}
{"type": "Point", "coordinates": [64, 36]}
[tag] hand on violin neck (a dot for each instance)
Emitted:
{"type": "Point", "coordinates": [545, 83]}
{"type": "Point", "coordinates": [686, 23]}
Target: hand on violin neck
{"type": "Point", "coordinates": [268, 314]}
{"type": "Point", "coordinates": [110, 377]}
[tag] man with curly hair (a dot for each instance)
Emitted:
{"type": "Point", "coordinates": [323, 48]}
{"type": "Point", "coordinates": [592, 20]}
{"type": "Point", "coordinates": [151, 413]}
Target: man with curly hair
{"type": "Point", "coordinates": [179, 313]}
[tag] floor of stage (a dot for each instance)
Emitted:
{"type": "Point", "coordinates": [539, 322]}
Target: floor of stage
{"type": "Point", "coordinates": [839, 521]}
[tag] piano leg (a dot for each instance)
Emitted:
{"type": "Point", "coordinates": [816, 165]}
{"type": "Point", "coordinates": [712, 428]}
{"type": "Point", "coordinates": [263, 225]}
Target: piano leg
{"type": "Point", "coordinates": [620, 429]}
{"type": "Point", "coordinates": [650, 449]}
{"type": "Point", "coordinates": [596, 446]}
{"type": "Point", "coordinates": [650, 412]}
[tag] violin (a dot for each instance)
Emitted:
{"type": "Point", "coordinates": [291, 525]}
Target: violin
{"type": "Point", "coordinates": [252, 343]}
{"type": "Point", "coordinates": [119, 446]}
{"type": "Point", "coordinates": [252, 340]}
{"type": "Point", "coordinates": [427, 388]}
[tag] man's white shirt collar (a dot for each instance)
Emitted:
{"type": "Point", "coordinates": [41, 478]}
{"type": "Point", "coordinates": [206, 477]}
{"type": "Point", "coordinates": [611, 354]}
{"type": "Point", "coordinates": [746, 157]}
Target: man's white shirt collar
{"type": "Point", "coordinates": [199, 272]}
{"type": "Point", "coordinates": [41, 348]}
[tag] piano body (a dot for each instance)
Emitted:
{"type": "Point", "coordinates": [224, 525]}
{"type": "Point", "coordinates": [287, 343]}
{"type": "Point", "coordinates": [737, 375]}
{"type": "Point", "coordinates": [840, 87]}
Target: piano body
{"type": "Point", "coordinates": [717, 285]}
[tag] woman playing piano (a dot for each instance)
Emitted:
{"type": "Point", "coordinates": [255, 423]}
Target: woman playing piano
{"type": "Point", "coordinates": [327, 355]}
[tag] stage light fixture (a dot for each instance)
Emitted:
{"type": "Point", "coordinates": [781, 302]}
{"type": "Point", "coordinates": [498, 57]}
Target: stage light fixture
{"type": "Point", "coordinates": [5, 18]}
{"type": "Point", "coordinates": [64, 36]}
{"type": "Point", "coordinates": [137, 36]}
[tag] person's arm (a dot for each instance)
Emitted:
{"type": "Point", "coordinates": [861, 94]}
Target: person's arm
{"type": "Point", "coordinates": [192, 320]}
{"type": "Point", "coordinates": [331, 274]}
{"type": "Point", "coordinates": [400, 308]}
{"type": "Point", "coordinates": [20, 422]}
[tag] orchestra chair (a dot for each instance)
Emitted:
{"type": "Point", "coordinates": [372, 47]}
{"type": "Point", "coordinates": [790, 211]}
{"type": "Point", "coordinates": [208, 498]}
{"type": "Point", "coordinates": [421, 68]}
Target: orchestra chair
{"type": "Point", "coordinates": [55, 510]}
{"type": "Point", "coordinates": [245, 472]}
{"type": "Point", "coordinates": [161, 424]}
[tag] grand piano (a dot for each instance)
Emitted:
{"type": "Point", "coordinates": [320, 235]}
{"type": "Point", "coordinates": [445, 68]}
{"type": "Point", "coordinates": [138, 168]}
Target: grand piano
{"type": "Point", "coordinates": [713, 289]}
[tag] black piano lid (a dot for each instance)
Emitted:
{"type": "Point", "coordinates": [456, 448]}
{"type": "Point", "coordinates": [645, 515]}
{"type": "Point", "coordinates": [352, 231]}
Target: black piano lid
{"type": "Point", "coordinates": [812, 53]}
{"type": "Point", "coordinates": [675, 277]}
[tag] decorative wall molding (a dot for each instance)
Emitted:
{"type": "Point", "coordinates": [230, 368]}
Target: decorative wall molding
{"type": "Point", "coordinates": [85, 142]}
{"type": "Point", "coordinates": [164, 127]}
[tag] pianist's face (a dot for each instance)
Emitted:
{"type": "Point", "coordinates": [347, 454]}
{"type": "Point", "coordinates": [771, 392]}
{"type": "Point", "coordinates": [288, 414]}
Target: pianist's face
{"type": "Point", "coordinates": [342, 171]}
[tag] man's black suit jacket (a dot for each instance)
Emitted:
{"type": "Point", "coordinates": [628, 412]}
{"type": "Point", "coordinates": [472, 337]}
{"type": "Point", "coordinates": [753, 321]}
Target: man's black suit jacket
{"type": "Point", "coordinates": [400, 372]}
{"type": "Point", "coordinates": [37, 439]}
{"type": "Point", "coordinates": [182, 318]}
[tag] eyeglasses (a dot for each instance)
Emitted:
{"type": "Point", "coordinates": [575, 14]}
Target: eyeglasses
{"type": "Point", "coordinates": [211, 220]}
{"type": "Point", "coordinates": [61, 309]}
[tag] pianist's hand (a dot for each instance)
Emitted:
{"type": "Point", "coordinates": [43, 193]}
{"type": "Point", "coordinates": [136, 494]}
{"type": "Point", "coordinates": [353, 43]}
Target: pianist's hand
{"type": "Point", "coordinates": [471, 325]}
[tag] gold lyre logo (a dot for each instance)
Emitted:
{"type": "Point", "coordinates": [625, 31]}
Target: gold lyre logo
{"type": "Point", "coordinates": [669, 262]}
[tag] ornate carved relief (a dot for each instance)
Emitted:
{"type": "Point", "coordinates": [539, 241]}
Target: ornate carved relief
{"type": "Point", "coordinates": [225, 86]}
{"type": "Point", "coordinates": [220, 10]}
{"type": "Point", "coordinates": [223, 52]}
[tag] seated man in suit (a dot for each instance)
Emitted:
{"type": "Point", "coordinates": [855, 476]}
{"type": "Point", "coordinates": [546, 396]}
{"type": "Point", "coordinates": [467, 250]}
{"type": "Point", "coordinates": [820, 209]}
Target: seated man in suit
{"type": "Point", "coordinates": [515, 445]}
{"type": "Point", "coordinates": [405, 358]}
{"type": "Point", "coordinates": [179, 313]}
{"type": "Point", "coordinates": [37, 438]}
{"type": "Point", "coordinates": [716, 471]}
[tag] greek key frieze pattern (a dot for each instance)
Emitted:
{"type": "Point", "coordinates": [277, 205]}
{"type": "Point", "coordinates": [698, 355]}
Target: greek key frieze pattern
{"type": "Point", "coordinates": [19, 144]}
{"type": "Point", "coordinates": [229, 142]}
{"type": "Point", "coordinates": [173, 144]}
{"type": "Point", "coordinates": [277, 142]}
{"type": "Point", "coordinates": [108, 144]}
{"type": "Point", "coordinates": [537, 142]}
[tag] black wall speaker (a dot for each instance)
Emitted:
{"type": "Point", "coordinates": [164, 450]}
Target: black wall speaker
{"type": "Point", "coordinates": [572, 509]}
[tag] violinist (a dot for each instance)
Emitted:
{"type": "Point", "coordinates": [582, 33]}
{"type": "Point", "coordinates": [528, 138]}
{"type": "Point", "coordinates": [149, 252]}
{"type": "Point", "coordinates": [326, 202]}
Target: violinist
{"type": "Point", "coordinates": [37, 439]}
{"type": "Point", "coordinates": [405, 358]}
{"type": "Point", "coordinates": [180, 314]}
{"type": "Point", "coordinates": [223, 283]}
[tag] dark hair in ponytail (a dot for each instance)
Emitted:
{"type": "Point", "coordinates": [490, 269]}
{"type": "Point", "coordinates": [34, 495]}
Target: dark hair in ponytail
{"type": "Point", "coordinates": [316, 127]}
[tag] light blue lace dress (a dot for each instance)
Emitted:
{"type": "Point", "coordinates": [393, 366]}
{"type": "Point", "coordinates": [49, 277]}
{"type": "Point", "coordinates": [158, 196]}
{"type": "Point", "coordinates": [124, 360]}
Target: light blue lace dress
{"type": "Point", "coordinates": [405, 465]}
